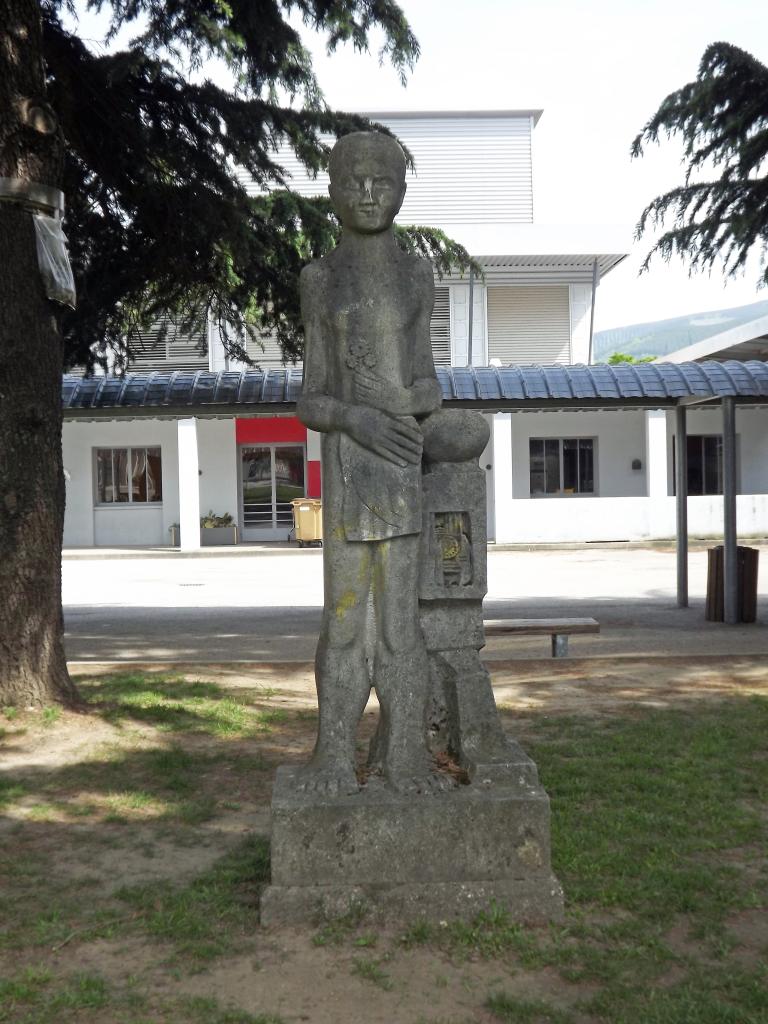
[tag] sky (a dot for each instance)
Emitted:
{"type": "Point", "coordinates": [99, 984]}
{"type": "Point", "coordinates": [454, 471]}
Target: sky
{"type": "Point", "coordinates": [599, 70]}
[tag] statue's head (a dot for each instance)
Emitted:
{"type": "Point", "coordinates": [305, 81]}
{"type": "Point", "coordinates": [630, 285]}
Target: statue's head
{"type": "Point", "coordinates": [367, 181]}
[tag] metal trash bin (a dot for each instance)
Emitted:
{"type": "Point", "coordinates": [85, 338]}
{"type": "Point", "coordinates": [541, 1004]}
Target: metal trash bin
{"type": "Point", "coordinates": [308, 521]}
{"type": "Point", "coordinates": [748, 560]}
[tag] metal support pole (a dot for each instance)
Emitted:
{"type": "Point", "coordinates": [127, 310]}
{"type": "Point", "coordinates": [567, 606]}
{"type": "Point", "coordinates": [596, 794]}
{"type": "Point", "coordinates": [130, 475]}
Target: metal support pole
{"type": "Point", "coordinates": [681, 505]}
{"type": "Point", "coordinates": [730, 553]}
{"type": "Point", "coordinates": [595, 282]}
{"type": "Point", "coordinates": [470, 315]}
{"type": "Point", "coordinates": [559, 645]}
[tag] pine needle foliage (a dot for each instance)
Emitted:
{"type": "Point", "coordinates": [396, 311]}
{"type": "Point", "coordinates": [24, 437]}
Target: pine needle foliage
{"type": "Point", "coordinates": [720, 213]}
{"type": "Point", "coordinates": [158, 218]}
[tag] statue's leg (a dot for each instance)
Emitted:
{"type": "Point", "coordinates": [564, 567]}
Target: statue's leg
{"type": "Point", "coordinates": [341, 674]}
{"type": "Point", "coordinates": [401, 671]}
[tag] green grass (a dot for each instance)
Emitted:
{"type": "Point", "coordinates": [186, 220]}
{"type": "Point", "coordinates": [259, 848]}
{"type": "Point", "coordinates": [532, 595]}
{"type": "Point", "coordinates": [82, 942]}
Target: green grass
{"type": "Point", "coordinates": [339, 929]}
{"type": "Point", "coordinates": [371, 970]}
{"type": "Point", "coordinates": [174, 780]}
{"type": "Point", "coordinates": [51, 716]}
{"type": "Point", "coordinates": [201, 1010]}
{"type": "Point", "coordinates": [198, 921]}
{"type": "Point", "coordinates": [523, 1011]}
{"type": "Point", "coordinates": [642, 807]}
{"type": "Point", "coordinates": [658, 820]}
{"type": "Point", "coordinates": [172, 704]}
{"type": "Point", "coordinates": [712, 995]}
{"type": "Point", "coordinates": [211, 915]}
{"type": "Point", "coordinates": [32, 997]}
{"type": "Point", "coordinates": [11, 791]}
{"type": "Point", "coordinates": [161, 782]}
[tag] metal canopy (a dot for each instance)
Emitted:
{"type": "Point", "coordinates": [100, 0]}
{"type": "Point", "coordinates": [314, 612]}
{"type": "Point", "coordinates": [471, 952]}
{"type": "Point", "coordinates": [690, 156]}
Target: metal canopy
{"type": "Point", "coordinates": [182, 393]}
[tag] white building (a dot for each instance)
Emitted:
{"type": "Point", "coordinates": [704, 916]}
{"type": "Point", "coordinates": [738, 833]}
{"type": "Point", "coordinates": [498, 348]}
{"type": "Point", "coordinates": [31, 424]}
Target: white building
{"type": "Point", "coordinates": [552, 475]}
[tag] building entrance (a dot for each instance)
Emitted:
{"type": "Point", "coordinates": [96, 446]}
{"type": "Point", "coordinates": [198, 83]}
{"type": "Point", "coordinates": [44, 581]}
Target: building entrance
{"type": "Point", "coordinates": [271, 476]}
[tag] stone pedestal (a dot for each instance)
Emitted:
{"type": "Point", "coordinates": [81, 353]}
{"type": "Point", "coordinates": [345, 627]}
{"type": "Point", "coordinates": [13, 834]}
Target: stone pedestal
{"type": "Point", "coordinates": [437, 856]}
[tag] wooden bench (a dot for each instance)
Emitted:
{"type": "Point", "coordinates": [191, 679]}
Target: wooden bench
{"type": "Point", "coordinates": [558, 629]}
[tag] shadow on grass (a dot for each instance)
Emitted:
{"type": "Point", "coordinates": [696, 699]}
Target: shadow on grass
{"type": "Point", "coordinates": [174, 704]}
{"type": "Point", "coordinates": [202, 748]}
{"type": "Point", "coordinates": [200, 919]}
{"type": "Point", "coordinates": [203, 919]}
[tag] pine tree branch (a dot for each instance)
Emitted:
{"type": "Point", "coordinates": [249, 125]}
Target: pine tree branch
{"type": "Point", "coordinates": [722, 118]}
{"type": "Point", "coordinates": [159, 218]}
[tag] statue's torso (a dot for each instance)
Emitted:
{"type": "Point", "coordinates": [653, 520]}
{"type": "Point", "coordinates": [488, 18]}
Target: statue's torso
{"type": "Point", "coordinates": [369, 316]}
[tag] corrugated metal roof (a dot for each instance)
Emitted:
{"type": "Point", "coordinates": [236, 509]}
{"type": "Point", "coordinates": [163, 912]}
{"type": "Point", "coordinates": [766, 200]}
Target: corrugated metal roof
{"type": "Point", "coordinates": [204, 393]}
{"type": "Point", "coordinates": [471, 168]}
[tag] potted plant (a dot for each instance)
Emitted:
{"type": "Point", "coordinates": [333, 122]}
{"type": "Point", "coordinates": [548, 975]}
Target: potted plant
{"type": "Point", "coordinates": [217, 529]}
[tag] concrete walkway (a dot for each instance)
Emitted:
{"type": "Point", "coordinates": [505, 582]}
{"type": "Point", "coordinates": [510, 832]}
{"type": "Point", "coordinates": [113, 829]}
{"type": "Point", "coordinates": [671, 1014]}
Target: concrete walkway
{"type": "Point", "coordinates": [263, 604]}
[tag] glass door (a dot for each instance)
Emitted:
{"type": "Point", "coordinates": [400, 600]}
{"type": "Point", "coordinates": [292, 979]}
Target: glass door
{"type": "Point", "coordinates": [270, 476]}
{"type": "Point", "coordinates": [288, 464]}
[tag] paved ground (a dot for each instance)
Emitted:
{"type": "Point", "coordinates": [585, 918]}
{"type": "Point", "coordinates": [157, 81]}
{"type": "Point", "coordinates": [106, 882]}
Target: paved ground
{"type": "Point", "coordinates": [263, 604]}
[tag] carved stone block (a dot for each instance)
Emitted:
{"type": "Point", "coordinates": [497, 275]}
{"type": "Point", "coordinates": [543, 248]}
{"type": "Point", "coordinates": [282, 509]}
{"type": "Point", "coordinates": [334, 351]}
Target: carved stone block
{"type": "Point", "coordinates": [449, 855]}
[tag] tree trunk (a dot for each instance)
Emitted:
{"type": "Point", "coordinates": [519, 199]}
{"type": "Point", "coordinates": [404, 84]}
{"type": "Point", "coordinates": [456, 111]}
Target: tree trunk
{"type": "Point", "coordinates": [33, 669]}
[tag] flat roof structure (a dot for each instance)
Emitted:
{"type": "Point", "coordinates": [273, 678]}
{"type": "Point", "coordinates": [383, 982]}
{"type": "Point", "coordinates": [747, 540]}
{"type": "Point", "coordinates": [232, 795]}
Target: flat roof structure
{"type": "Point", "coordinates": [748, 341]}
{"type": "Point", "coordinates": [206, 394]}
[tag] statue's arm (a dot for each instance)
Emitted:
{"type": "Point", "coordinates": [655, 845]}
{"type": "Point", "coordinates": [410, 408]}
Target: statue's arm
{"type": "Point", "coordinates": [426, 391]}
{"type": "Point", "coordinates": [316, 408]}
{"type": "Point", "coordinates": [424, 395]}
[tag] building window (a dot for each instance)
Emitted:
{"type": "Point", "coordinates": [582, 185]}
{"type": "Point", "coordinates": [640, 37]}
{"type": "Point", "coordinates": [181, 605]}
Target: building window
{"type": "Point", "coordinates": [164, 345]}
{"type": "Point", "coordinates": [462, 311]}
{"type": "Point", "coordinates": [705, 463]}
{"type": "Point", "coordinates": [440, 327]}
{"type": "Point", "coordinates": [562, 465]}
{"type": "Point", "coordinates": [131, 476]}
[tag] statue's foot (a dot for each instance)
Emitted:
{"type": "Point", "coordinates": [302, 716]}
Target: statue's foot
{"type": "Point", "coordinates": [418, 777]}
{"type": "Point", "coordinates": [327, 776]}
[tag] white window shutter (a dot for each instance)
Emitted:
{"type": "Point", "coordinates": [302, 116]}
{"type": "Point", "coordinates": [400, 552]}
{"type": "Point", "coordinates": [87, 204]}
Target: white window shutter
{"type": "Point", "coordinates": [460, 329]}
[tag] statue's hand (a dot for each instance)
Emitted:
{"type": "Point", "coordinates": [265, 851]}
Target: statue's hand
{"type": "Point", "coordinates": [397, 440]}
{"type": "Point", "coordinates": [381, 394]}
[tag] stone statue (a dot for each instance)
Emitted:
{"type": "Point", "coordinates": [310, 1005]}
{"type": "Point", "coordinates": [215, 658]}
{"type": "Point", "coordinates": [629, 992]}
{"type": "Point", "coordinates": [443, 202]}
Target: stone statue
{"type": "Point", "coordinates": [404, 518]}
{"type": "Point", "coordinates": [369, 379]}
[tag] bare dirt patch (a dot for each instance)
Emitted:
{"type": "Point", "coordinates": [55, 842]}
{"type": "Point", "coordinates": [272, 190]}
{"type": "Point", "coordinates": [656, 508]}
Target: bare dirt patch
{"type": "Point", "coordinates": [299, 981]}
{"type": "Point", "coordinates": [749, 928]}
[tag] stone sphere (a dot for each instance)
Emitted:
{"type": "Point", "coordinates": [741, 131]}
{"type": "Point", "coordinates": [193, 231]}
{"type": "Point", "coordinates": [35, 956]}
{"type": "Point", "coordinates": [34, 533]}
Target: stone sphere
{"type": "Point", "coordinates": [454, 435]}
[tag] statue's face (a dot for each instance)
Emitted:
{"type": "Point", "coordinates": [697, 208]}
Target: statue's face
{"type": "Point", "coordinates": [367, 188]}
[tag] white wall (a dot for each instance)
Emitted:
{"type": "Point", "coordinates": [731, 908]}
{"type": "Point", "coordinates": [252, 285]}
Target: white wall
{"type": "Point", "coordinates": [85, 523]}
{"type": "Point", "coordinates": [622, 510]}
{"type": "Point", "coordinates": [78, 441]}
{"type": "Point", "coordinates": [752, 428]}
{"type": "Point", "coordinates": [531, 520]}
{"type": "Point", "coordinates": [217, 454]}
{"type": "Point", "coordinates": [580, 297]}
{"type": "Point", "coordinates": [620, 439]}
{"type": "Point", "coordinates": [469, 169]}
